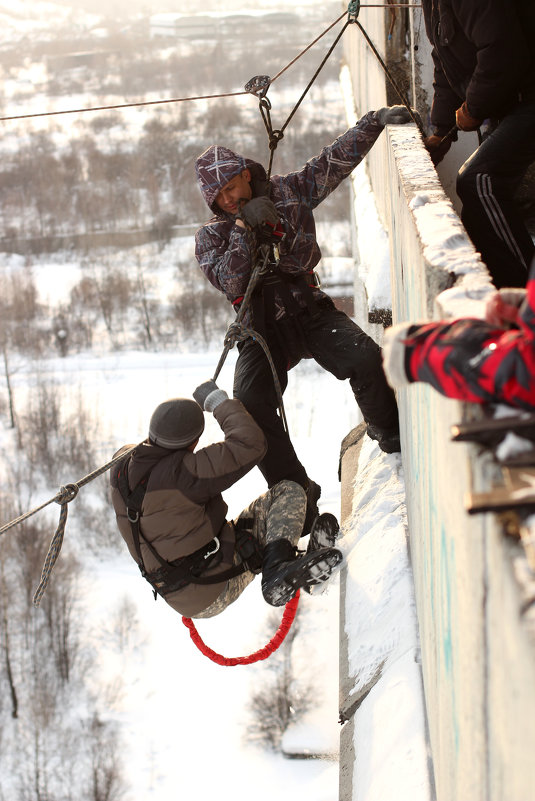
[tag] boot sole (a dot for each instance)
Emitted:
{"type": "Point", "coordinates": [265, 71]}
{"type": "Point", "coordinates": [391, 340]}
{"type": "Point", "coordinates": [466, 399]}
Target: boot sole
{"type": "Point", "coordinates": [325, 532]}
{"type": "Point", "coordinates": [312, 569]}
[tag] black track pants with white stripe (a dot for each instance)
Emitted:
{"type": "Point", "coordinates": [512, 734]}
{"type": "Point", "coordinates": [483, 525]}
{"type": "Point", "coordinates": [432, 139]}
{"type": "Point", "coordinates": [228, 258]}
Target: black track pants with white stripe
{"type": "Point", "coordinates": [486, 185]}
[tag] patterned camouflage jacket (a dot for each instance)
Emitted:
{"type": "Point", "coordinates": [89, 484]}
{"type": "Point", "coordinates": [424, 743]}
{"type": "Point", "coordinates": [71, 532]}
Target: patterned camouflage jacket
{"type": "Point", "coordinates": [226, 252]}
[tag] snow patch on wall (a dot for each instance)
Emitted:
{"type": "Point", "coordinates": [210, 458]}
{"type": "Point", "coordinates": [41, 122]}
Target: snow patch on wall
{"type": "Point", "coordinates": [383, 647]}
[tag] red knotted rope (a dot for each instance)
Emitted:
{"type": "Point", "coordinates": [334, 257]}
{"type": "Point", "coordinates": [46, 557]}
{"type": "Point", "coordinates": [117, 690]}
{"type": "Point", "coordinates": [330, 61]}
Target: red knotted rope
{"type": "Point", "coordinates": [277, 639]}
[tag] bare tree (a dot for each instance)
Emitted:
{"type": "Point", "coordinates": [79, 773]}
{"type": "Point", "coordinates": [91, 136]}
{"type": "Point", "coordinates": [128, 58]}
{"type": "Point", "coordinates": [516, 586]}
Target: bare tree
{"type": "Point", "coordinates": [59, 605]}
{"type": "Point", "coordinates": [106, 776]}
{"type": "Point", "coordinates": [7, 374]}
{"type": "Point", "coordinates": [5, 644]}
{"type": "Point", "coordinates": [144, 304]}
{"type": "Point", "coordinates": [280, 698]}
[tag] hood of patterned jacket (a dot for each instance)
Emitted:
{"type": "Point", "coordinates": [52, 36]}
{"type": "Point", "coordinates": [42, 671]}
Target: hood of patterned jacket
{"type": "Point", "coordinates": [218, 165]}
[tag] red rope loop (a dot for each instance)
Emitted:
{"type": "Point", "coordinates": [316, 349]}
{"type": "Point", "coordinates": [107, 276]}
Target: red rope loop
{"type": "Point", "coordinates": [287, 619]}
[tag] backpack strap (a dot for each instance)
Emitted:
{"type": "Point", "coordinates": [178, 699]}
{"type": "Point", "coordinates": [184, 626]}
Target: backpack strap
{"type": "Point", "coordinates": [134, 501]}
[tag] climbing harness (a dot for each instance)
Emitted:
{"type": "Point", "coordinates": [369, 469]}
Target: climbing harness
{"type": "Point", "coordinates": [277, 640]}
{"type": "Point", "coordinates": [176, 575]}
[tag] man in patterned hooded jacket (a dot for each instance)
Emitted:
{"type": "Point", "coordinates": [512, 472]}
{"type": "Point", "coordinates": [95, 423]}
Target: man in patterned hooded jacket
{"type": "Point", "coordinates": [297, 319]}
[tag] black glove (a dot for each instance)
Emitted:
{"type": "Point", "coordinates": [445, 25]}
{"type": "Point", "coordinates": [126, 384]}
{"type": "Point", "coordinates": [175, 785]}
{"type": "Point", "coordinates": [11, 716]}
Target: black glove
{"type": "Point", "coordinates": [258, 212]}
{"type": "Point", "coordinates": [393, 115]}
{"type": "Point", "coordinates": [203, 390]}
{"type": "Point", "coordinates": [437, 147]}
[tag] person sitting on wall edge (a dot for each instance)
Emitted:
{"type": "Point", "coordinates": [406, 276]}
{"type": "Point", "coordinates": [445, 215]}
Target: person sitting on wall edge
{"type": "Point", "coordinates": [483, 361]}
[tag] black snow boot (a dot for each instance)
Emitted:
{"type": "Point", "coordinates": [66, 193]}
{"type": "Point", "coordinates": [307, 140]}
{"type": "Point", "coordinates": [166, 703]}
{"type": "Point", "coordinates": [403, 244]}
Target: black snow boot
{"type": "Point", "coordinates": [325, 531]}
{"type": "Point", "coordinates": [283, 573]}
{"type": "Point", "coordinates": [388, 440]}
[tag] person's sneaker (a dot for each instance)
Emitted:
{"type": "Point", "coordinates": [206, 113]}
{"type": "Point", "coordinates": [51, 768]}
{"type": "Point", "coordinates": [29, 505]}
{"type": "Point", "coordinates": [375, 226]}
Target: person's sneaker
{"type": "Point", "coordinates": [324, 533]}
{"type": "Point", "coordinates": [280, 584]}
{"type": "Point", "coordinates": [388, 441]}
{"type": "Point", "coordinates": [313, 492]}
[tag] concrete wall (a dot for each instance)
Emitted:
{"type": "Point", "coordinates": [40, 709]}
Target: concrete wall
{"type": "Point", "coordinates": [478, 656]}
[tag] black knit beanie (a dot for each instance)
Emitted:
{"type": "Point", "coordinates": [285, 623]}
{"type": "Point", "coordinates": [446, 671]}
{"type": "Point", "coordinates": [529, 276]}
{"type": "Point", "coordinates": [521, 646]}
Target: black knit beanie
{"type": "Point", "coordinates": [176, 423]}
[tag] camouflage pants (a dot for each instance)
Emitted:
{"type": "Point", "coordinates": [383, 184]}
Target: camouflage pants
{"type": "Point", "coordinates": [278, 514]}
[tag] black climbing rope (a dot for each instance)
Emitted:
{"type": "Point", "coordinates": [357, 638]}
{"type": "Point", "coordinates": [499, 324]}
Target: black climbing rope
{"type": "Point", "coordinates": [260, 84]}
{"type": "Point", "coordinates": [238, 332]}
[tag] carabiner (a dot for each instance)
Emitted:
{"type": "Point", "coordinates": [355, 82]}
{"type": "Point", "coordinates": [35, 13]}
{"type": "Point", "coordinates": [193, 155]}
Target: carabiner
{"type": "Point", "coordinates": [217, 547]}
{"type": "Point", "coordinates": [258, 85]}
{"type": "Point", "coordinates": [353, 10]}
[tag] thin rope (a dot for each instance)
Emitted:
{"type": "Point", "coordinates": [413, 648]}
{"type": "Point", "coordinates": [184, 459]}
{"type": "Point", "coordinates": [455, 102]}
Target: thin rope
{"type": "Point", "coordinates": [402, 96]}
{"type": "Point", "coordinates": [275, 136]}
{"type": "Point", "coordinates": [121, 105]}
{"type": "Point", "coordinates": [61, 496]}
{"type": "Point", "coordinates": [237, 332]}
{"type": "Point", "coordinates": [276, 641]}
{"type": "Point", "coordinates": [302, 53]}
{"type": "Point", "coordinates": [158, 102]}
{"type": "Point", "coordinates": [194, 97]}
{"type": "Point", "coordinates": [327, 56]}
{"type": "Point", "coordinates": [65, 495]}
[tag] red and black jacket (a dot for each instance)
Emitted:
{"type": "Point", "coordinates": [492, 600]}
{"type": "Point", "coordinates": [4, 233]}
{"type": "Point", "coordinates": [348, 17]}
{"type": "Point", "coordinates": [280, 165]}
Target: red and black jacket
{"type": "Point", "coordinates": [471, 360]}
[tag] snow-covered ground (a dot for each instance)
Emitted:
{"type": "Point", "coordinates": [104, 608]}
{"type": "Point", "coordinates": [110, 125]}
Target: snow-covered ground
{"type": "Point", "coordinates": [183, 716]}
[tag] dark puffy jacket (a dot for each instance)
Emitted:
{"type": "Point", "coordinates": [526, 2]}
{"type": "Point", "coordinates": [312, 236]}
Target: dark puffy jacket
{"type": "Point", "coordinates": [483, 52]}
{"type": "Point", "coordinates": [183, 508]}
{"type": "Point", "coordinates": [225, 252]}
{"type": "Point", "coordinates": [471, 360]}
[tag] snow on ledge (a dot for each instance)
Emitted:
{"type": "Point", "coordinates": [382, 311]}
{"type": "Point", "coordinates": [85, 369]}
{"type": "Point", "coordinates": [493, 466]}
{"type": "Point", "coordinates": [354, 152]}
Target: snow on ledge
{"type": "Point", "coordinates": [390, 740]}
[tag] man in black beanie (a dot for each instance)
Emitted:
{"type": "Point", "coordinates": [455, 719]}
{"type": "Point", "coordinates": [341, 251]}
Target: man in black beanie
{"type": "Point", "coordinates": [171, 514]}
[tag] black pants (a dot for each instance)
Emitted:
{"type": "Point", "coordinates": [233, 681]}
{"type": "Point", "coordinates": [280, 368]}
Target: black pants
{"type": "Point", "coordinates": [337, 344]}
{"type": "Point", "coordinates": [486, 185]}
